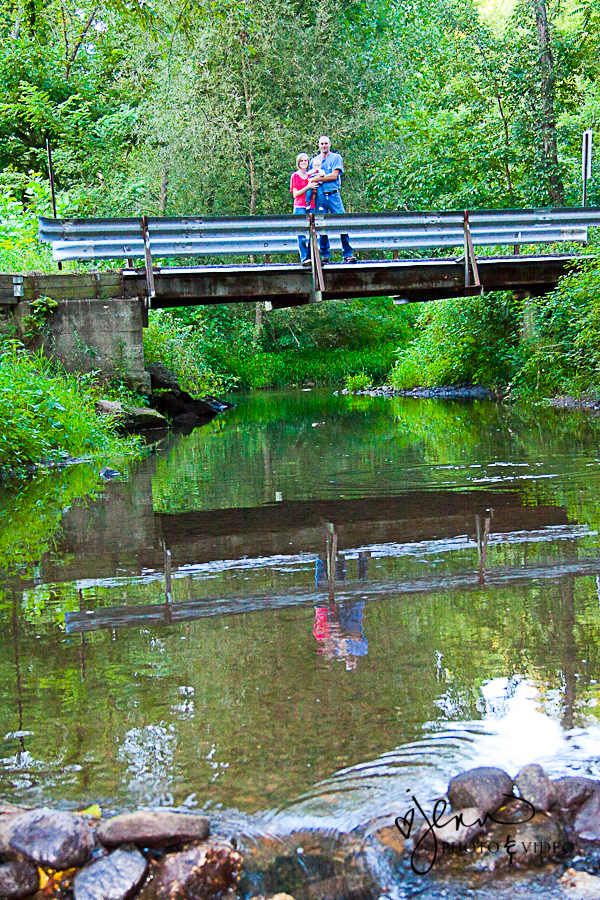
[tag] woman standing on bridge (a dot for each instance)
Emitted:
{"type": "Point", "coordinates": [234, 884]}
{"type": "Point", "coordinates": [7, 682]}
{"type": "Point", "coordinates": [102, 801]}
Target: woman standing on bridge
{"type": "Point", "coordinates": [300, 183]}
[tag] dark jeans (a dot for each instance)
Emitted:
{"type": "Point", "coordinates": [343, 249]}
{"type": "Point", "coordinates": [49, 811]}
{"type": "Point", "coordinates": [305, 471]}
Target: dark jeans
{"type": "Point", "coordinates": [332, 203]}
{"type": "Point", "coordinates": [303, 246]}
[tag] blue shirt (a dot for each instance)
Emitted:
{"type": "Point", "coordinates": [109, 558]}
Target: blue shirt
{"type": "Point", "coordinates": [332, 161]}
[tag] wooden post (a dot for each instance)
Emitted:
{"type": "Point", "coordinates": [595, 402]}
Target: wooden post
{"type": "Point", "coordinates": [148, 261]}
{"type": "Point", "coordinates": [315, 260]}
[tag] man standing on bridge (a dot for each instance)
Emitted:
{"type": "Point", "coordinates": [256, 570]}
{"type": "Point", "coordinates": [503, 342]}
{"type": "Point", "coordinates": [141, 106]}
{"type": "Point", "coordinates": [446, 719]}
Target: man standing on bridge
{"type": "Point", "coordinates": [328, 195]}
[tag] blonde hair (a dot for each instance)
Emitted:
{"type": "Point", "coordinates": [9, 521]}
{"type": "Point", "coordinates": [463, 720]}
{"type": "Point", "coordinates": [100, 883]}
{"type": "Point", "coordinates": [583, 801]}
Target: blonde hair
{"type": "Point", "coordinates": [299, 157]}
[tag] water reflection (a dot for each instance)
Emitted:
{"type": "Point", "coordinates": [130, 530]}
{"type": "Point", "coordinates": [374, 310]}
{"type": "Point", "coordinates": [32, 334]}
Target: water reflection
{"type": "Point", "coordinates": [263, 606]}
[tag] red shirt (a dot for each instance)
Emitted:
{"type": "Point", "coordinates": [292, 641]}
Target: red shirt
{"type": "Point", "coordinates": [298, 182]}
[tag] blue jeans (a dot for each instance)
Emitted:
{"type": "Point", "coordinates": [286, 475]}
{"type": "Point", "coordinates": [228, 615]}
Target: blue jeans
{"type": "Point", "coordinates": [303, 246]}
{"type": "Point", "coordinates": [332, 203]}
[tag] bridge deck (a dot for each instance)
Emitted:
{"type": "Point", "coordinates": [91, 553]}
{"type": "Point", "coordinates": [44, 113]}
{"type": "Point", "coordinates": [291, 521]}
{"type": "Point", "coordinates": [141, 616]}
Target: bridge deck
{"type": "Point", "coordinates": [291, 285]}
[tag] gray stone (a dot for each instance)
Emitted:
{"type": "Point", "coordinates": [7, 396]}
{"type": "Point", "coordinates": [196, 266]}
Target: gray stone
{"type": "Point", "coordinates": [573, 790]}
{"type": "Point", "coordinates": [452, 828]}
{"type": "Point", "coordinates": [535, 787]}
{"type": "Point", "coordinates": [528, 843]}
{"type": "Point", "coordinates": [18, 878]}
{"type": "Point", "coordinates": [587, 820]}
{"type": "Point", "coordinates": [132, 418]}
{"type": "Point", "coordinates": [52, 838]}
{"type": "Point", "coordinates": [112, 408]}
{"type": "Point", "coordinates": [485, 788]}
{"type": "Point", "coordinates": [202, 872]}
{"type": "Point", "coordinates": [153, 829]}
{"type": "Point", "coordinates": [139, 418]}
{"type": "Point", "coordinates": [115, 877]}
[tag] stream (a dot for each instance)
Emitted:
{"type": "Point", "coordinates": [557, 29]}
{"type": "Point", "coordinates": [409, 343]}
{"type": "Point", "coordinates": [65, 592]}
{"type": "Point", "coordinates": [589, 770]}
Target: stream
{"type": "Point", "coordinates": [367, 596]}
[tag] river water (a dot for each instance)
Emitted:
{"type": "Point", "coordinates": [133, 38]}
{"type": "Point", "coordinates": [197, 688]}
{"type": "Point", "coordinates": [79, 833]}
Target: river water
{"type": "Point", "coordinates": [368, 596]}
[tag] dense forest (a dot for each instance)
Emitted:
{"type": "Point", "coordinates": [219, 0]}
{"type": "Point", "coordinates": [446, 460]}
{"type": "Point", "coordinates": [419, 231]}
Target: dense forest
{"type": "Point", "coordinates": [192, 107]}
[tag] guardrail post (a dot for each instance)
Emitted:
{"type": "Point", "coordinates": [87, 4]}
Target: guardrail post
{"type": "Point", "coordinates": [318, 283]}
{"type": "Point", "coordinates": [470, 258]}
{"type": "Point", "coordinates": [148, 261]}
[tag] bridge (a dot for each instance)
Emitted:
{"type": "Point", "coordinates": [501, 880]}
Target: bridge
{"type": "Point", "coordinates": [100, 315]}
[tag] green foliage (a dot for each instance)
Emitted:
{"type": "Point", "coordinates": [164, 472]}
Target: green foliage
{"type": "Point", "coordinates": [562, 355]}
{"type": "Point", "coordinates": [46, 417]}
{"type": "Point", "coordinates": [464, 340]}
{"type": "Point", "coordinates": [286, 367]}
{"type": "Point", "coordinates": [358, 382]}
{"type": "Point", "coordinates": [180, 348]}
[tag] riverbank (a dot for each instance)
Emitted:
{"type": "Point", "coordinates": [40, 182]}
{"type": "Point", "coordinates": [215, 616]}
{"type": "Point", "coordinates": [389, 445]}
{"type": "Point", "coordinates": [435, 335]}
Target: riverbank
{"type": "Point", "coordinates": [536, 835]}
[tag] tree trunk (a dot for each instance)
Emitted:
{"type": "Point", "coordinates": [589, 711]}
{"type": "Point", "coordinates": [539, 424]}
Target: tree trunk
{"type": "Point", "coordinates": [164, 184]}
{"type": "Point", "coordinates": [258, 320]}
{"type": "Point", "coordinates": [550, 164]}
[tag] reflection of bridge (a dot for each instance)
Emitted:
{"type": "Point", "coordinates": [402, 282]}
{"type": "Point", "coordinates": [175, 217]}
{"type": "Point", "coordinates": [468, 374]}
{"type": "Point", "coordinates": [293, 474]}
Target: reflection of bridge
{"type": "Point", "coordinates": [121, 535]}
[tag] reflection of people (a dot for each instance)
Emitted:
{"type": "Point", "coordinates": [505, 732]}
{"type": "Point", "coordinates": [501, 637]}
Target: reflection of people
{"type": "Point", "coordinates": [328, 195]}
{"type": "Point", "coordinates": [339, 630]}
{"type": "Point", "coordinates": [301, 187]}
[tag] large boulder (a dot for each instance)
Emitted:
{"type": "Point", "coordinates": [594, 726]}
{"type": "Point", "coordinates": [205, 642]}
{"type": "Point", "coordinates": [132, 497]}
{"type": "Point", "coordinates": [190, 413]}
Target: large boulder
{"type": "Point", "coordinates": [51, 837]}
{"type": "Point", "coordinates": [18, 878]}
{"type": "Point", "coordinates": [116, 877]}
{"type": "Point", "coordinates": [161, 378]}
{"type": "Point", "coordinates": [202, 872]}
{"type": "Point", "coordinates": [153, 828]}
{"type": "Point", "coordinates": [535, 787]}
{"type": "Point", "coordinates": [485, 788]}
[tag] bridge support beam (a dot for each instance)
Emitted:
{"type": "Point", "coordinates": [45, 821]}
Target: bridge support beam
{"type": "Point", "coordinates": [104, 336]}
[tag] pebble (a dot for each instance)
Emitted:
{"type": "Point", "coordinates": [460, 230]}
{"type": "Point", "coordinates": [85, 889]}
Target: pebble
{"type": "Point", "coordinates": [580, 885]}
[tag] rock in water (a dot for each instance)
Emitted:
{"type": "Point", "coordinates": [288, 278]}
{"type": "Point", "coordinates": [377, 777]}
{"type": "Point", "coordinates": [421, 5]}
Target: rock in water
{"type": "Point", "coordinates": [452, 828]}
{"type": "Point", "coordinates": [202, 872]}
{"type": "Point", "coordinates": [526, 843]}
{"type": "Point", "coordinates": [113, 878]}
{"type": "Point", "coordinates": [535, 787]}
{"type": "Point", "coordinates": [51, 837]}
{"type": "Point", "coordinates": [573, 790]}
{"type": "Point", "coordinates": [153, 829]}
{"type": "Point", "coordinates": [18, 879]}
{"type": "Point", "coordinates": [587, 820]}
{"type": "Point", "coordinates": [485, 788]}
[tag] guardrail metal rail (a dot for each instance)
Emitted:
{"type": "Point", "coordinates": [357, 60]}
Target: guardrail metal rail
{"type": "Point", "coordinates": [148, 237]}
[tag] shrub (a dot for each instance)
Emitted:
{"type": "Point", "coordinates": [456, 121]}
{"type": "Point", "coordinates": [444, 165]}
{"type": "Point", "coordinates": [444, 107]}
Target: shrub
{"type": "Point", "coordinates": [45, 416]}
{"type": "Point", "coordinates": [358, 382]}
{"type": "Point", "coordinates": [180, 348]}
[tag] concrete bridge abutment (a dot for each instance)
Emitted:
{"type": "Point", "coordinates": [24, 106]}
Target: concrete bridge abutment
{"type": "Point", "coordinates": [96, 335]}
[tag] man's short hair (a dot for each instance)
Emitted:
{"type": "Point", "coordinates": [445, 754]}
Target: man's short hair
{"type": "Point", "coordinates": [324, 137]}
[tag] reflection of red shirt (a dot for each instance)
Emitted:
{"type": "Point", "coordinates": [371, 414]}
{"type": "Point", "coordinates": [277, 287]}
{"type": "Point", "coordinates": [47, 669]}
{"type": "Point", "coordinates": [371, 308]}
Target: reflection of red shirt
{"type": "Point", "coordinates": [298, 182]}
{"type": "Point", "coordinates": [321, 628]}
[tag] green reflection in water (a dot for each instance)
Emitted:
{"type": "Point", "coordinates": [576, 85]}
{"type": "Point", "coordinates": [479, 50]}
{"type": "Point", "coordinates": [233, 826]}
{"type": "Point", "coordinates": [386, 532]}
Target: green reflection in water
{"type": "Point", "coordinates": [243, 710]}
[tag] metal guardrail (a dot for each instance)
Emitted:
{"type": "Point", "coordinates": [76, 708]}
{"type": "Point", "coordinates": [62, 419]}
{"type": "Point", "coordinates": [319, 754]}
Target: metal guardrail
{"type": "Point", "coordinates": [191, 236]}
{"type": "Point", "coordinates": [263, 235]}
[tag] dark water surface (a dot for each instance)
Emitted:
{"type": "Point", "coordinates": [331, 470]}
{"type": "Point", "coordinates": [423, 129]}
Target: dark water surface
{"type": "Point", "coordinates": [368, 596]}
